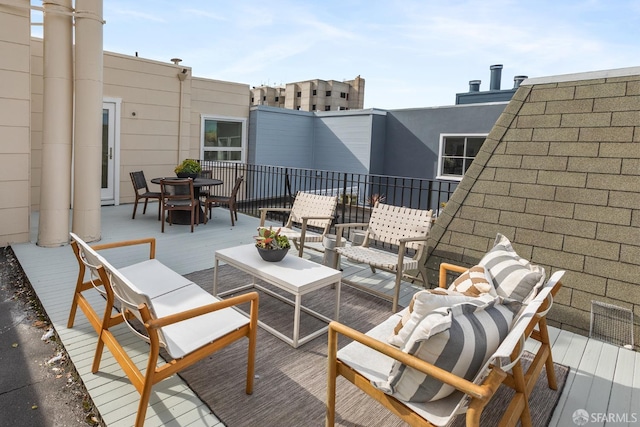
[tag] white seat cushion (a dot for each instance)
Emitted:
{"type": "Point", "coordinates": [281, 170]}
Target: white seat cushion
{"type": "Point", "coordinates": [184, 337]}
{"type": "Point", "coordinates": [153, 278]}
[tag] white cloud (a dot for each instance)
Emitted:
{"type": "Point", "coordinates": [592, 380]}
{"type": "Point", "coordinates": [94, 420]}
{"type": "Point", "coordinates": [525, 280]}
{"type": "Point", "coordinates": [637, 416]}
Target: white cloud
{"type": "Point", "coordinates": [204, 14]}
{"type": "Point", "coordinates": [409, 51]}
{"type": "Point", "coordinates": [138, 15]}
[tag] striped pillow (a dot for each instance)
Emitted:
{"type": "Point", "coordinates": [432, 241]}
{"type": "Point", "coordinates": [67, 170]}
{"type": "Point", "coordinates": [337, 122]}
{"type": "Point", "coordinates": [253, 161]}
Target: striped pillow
{"type": "Point", "coordinates": [458, 339]}
{"type": "Point", "coordinates": [423, 303]}
{"type": "Point", "coordinates": [513, 277]}
{"type": "Point", "coordinates": [474, 281]}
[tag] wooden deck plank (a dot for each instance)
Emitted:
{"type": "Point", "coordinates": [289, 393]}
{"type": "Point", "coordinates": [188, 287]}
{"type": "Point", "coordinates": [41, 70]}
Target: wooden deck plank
{"type": "Point", "coordinates": [621, 391]}
{"type": "Point", "coordinates": [635, 390]}
{"type": "Point", "coordinates": [567, 349]}
{"type": "Point", "coordinates": [597, 376]}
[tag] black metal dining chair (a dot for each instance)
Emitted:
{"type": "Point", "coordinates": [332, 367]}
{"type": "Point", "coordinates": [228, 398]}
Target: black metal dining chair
{"type": "Point", "coordinates": [141, 190]}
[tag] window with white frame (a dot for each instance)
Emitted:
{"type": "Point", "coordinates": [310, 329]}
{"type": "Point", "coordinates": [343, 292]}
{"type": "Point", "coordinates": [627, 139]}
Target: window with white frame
{"type": "Point", "coordinates": [457, 153]}
{"type": "Point", "coordinates": [223, 139]}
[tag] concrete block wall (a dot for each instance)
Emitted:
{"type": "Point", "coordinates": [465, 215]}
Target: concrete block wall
{"type": "Point", "coordinates": [559, 175]}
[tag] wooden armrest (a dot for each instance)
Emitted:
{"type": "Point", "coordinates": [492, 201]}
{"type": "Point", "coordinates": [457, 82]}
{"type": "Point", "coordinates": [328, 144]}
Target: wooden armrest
{"type": "Point", "coordinates": [413, 239]}
{"type": "Point", "coordinates": [149, 240]}
{"type": "Point", "coordinates": [199, 311]}
{"type": "Point", "coordinates": [316, 217]}
{"type": "Point", "coordinates": [264, 211]}
{"type": "Point", "coordinates": [446, 267]}
{"type": "Point", "coordinates": [340, 228]}
{"type": "Point", "coordinates": [305, 220]}
{"type": "Point", "coordinates": [465, 386]}
{"type": "Point", "coordinates": [274, 209]}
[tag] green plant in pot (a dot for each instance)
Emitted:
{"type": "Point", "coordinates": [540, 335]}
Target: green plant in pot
{"type": "Point", "coordinates": [189, 168]}
{"type": "Point", "coordinates": [271, 245]}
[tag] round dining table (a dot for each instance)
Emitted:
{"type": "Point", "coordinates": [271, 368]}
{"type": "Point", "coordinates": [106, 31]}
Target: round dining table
{"type": "Point", "coordinates": [183, 217]}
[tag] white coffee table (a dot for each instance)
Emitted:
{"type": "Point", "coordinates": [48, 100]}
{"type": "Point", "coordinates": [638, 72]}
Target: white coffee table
{"type": "Point", "coordinates": [294, 275]}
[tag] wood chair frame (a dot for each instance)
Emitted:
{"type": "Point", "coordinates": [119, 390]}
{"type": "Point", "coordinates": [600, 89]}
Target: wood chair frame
{"type": "Point", "coordinates": [143, 382]}
{"type": "Point", "coordinates": [176, 199]}
{"type": "Point", "coordinates": [230, 201]}
{"type": "Point", "coordinates": [478, 395]}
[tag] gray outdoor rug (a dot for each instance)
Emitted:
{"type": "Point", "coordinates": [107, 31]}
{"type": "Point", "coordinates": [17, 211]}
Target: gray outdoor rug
{"type": "Point", "coordinates": [290, 384]}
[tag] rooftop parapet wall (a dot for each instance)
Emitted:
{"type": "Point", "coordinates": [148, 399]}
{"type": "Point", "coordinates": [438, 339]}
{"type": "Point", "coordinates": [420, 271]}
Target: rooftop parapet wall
{"type": "Point", "coordinates": [559, 175]}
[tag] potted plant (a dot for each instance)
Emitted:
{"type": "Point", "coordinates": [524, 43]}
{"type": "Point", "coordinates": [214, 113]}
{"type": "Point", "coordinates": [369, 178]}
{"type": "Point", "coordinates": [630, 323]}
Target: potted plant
{"type": "Point", "coordinates": [189, 168]}
{"type": "Point", "coordinates": [375, 198]}
{"type": "Point", "coordinates": [271, 245]}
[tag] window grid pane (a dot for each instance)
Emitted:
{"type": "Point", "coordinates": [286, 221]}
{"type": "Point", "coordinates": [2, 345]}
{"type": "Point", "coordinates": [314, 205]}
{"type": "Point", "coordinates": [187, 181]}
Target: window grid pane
{"type": "Point", "coordinates": [458, 153]}
{"type": "Point", "coordinates": [222, 140]}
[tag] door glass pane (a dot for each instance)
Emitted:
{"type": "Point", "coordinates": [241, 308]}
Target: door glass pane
{"type": "Point", "coordinates": [105, 148]}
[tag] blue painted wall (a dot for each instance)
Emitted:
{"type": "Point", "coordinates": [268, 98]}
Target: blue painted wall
{"type": "Point", "coordinates": [393, 142]}
{"type": "Point", "coordinates": [281, 137]}
{"type": "Point", "coordinates": [344, 140]}
{"type": "Point", "coordinates": [413, 135]}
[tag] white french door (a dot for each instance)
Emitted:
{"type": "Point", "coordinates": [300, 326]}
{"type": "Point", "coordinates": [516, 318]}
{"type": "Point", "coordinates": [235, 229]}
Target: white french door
{"type": "Point", "coordinates": [110, 152]}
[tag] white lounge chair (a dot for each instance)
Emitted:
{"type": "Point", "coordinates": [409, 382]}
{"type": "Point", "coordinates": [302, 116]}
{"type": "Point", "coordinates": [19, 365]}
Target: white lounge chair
{"type": "Point", "coordinates": [392, 225]}
{"type": "Point", "coordinates": [308, 210]}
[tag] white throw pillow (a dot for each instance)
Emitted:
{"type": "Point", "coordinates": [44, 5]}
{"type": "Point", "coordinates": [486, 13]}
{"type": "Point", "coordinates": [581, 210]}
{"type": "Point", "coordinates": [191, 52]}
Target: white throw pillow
{"type": "Point", "coordinates": [513, 277]}
{"type": "Point", "coordinates": [459, 339]}
{"type": "Point", "coordinates": [423, 303]}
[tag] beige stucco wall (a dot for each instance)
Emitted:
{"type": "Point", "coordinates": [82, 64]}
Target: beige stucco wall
{"type": "Point", "coordinates": [14, 124]}
{"type": "Point", "coordinates": [559, 175]}
{"type": "Point", "coordinates": [150, 94]}
{"type": "Point", "coordinates": [217, 98]}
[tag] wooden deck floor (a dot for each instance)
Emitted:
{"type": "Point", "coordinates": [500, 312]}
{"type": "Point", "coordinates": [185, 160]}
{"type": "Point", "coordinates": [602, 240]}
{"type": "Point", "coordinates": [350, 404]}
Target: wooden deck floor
{"type": "Point", "coordinates": [604, 379]}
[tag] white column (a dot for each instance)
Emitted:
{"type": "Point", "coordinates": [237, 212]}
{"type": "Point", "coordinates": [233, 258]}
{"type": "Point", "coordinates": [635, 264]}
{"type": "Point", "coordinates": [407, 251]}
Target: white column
{"type": "Point", "coordinates": [88, 120]}
{"type": "Point", "coordinates": [57, 122]}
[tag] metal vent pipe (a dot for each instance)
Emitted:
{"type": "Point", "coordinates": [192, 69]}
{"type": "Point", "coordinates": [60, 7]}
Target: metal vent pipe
{"type": "Point", "coordinates": [496, 76]}
{"type": "Point", "coordinates": [517, 80]}
{"type": "Point", "coordinates": [474, 85]}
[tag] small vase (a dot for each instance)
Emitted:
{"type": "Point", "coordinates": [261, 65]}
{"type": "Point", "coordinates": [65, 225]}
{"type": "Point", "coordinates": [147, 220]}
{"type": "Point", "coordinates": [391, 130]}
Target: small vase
{"type": "Point", "coordinates": [272, 255]}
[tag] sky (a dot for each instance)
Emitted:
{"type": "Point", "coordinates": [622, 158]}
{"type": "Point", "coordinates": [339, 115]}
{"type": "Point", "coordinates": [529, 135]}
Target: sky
{"type": "Point", "coordinates": [411, 53]}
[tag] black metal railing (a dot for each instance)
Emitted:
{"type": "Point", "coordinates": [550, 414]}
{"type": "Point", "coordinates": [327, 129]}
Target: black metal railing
{"type": "Point", "coordinates": [276, 186]}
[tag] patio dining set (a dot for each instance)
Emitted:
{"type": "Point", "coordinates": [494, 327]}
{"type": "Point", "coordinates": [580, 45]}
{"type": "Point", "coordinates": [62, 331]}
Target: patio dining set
{"type": "Point", "coordinates": [184, 200]}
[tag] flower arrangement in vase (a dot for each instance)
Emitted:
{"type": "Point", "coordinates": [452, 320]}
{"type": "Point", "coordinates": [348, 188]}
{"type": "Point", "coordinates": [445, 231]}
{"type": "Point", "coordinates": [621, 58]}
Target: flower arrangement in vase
{"type": "Point", "coordinates": [271, 245]}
